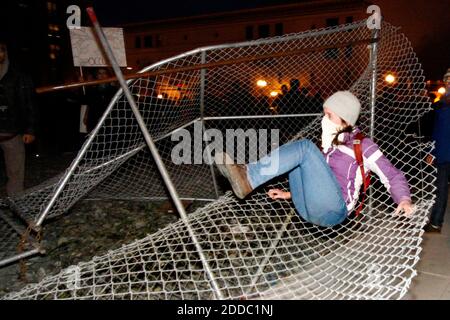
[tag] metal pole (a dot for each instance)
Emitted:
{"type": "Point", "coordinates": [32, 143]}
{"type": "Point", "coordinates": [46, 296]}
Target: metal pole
{"type": "Point", "coordinates": [373, 92]}
{"type": "Point", "coordinates": [272, 116]}
{"type": "Point", "coordinates": [373, 80]}
{"type": "Point", "coordinates": [152, 147]}
{"type": "Point", "coordinates": [37, 225]}
{"type": "Point", "coordinates": [19, 257]}
{"type": "Point", "coordinates": [209, 65]}
{"type": "Point", "coordinates": [202, 112]}
{"type": "Point", "coordinates": [82, 79]}
{"type": "Point", "coordinates": [269, 253]}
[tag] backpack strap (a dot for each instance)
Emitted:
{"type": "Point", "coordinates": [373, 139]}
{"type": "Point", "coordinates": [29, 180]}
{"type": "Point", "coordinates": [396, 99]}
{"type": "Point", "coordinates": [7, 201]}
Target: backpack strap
{"type": "Point", "coordinates": [357, 147]}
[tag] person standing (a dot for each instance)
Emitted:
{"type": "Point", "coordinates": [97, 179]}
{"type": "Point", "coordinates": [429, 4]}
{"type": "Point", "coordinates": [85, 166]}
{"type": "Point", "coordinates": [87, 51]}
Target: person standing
{"type": "Point", "coordinates": [441, 153]}
{"type": "Point", "coordinates": [98, 99]}
{"type": "Point", "coordinates": [18, 116]}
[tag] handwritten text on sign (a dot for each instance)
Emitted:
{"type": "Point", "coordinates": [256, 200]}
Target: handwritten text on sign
{"type": "Point", "coordinates": [86, 51]}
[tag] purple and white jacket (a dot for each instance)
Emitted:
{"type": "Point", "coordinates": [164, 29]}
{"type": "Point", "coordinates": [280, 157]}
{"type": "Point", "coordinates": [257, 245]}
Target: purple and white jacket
{"type": "Point", "coordinates": [342, 162]}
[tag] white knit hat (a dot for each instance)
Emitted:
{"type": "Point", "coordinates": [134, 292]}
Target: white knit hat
{"type": "Point", "coordinates": [345, 104]}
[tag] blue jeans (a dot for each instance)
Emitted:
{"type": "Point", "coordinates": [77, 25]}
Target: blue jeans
{"type": "Point", "coordinates": [438, 212]}
{"type": "Point", "coordinates": [315, 191]}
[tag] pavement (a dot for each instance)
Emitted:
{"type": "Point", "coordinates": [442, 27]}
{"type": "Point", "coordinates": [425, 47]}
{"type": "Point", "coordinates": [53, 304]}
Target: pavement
{"type": "Point", "coordinates": [433, 279]}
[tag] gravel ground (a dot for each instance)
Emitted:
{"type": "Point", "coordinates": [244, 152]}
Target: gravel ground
{"type": "Point", "coordinates": [90, 228]}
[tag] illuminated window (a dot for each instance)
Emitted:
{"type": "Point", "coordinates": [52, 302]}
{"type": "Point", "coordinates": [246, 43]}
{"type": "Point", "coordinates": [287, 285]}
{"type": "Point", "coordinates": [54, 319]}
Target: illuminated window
{"type": "Point", "coordinates": [51, 7]}
{"type": "Point", "coordinates": [55, 47]}
{"type": "Point", "coordinates": [53, 27]}
{"type": "Point", "coordinates": [158, 40]}
{"type": "Point", "coordinates": [54, 51]}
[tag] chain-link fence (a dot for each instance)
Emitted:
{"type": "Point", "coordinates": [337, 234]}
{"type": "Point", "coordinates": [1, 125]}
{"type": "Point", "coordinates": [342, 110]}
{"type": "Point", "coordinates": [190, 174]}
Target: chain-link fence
{"type": "Point", "coordinates": [255, 248]}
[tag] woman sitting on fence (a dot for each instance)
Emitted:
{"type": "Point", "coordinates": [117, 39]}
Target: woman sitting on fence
{"type": "Point", "coordinates": [324, 185]}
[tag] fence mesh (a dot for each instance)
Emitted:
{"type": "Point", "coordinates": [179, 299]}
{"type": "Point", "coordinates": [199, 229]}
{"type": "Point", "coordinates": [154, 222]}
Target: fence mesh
{"type": "Point", "coordinates": [257, 248]}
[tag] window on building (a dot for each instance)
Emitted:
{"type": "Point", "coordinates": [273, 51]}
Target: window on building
{"type": "Point", "coordinates": [137, 42]}
{"type": "Point", "coordinates": [264, 31]}
{"type": "Point", "coordinates": [334, 52]}
{"type": "Point", "coordinates": [54, 51]}
{"type": "Point", "coordinates": [349, 49]}
{"type": "Point", "coordinates": [279, 29]}
{"type": "Point", "coordinates": [53, 28]}
{"type": "Point", "coordinates": [249, 33]}
{"type": "Point", "coordinates": [148, 41]}
{"type": "Point", "coordinates": [159, 41]}
{"type": "Point", "coordinates": [332, 22]}
{"type": "Point", "coordinates": [51, 7]}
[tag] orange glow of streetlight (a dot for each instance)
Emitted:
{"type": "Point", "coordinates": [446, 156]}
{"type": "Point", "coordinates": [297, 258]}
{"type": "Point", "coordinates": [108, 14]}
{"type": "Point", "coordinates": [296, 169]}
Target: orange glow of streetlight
{"type": "Point", "coordinates": [274, 94]}
{"type": "Point", "coordinates": [441, 91]}
{"type": "Point", "coordinates": [261, 83]}
{"type": "Point", "coordinates": [390, 78]}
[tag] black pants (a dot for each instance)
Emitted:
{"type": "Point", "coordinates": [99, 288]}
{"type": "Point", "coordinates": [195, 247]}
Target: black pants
{"type": "Point", "coordinates": [437, 215]}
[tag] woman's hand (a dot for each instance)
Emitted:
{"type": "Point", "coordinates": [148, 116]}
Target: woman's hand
{"type": "Point", "coordinates": [275, 194]}
{"type": "Point", "coordinates": [405, 206]}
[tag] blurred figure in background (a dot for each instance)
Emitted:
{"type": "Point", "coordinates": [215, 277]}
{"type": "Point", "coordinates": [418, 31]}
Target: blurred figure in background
{"type": "Point", "coordinates": [441, 153]}
{"type": "Point", "coordinates": [18, 117]}
{"type": "Point", "coordinates": [279, 104]}
{"type": "Point", "coordinates": [98, 99]}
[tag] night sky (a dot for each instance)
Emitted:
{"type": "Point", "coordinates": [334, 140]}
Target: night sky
{"type": "Point", "coordinates": [139, 10]}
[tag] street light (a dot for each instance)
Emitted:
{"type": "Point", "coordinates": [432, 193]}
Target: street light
{"type": "Point", "coordinates": [274, 94]}
{"type": "Point", "coordinates": [441, 91]}
{"type": "Point", "coordinates": [261, 83]}
{"type": "Point", "coordinates": [390, 78]}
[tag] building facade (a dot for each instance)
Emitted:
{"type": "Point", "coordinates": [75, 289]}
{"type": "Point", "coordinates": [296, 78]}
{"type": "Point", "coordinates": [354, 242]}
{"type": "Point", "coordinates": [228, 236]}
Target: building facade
{"type": "Point", "coordinates": [152, 41]}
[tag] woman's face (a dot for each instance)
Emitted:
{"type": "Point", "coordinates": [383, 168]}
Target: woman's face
{"type": "Point", "coordinates": [332, 116]}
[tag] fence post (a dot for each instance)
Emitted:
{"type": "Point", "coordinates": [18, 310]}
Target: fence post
{"type": "Point", "coordinates": [154, 151]}
{"type": "Point", "coordinates": [202, 118]}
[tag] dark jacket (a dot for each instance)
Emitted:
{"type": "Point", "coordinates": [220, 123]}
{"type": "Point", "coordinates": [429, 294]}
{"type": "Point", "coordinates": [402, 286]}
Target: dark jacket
{"type": "Point", "coordinates": [441, 132]}
{"type": "Point", "coordinates": [18, 111]}
{"type": "Point", "coordinates": [98, 99]}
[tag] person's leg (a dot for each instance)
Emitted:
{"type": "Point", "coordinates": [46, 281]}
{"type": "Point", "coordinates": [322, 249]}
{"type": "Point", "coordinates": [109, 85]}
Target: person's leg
{"type": "Point", "coordinates": [315, 192]}
{"type": "Point", "coordinates": [278, 162]}
{"type": "Point", "coordinates": [437, 214]}
{"type": "Point", "coordinates": [245, 178]}
{"type": "Point", "coordinates": [14, 153]}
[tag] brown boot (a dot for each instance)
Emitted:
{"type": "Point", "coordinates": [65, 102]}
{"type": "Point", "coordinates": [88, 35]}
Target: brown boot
{"type": "Point", "coordinates": [235, 173]}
